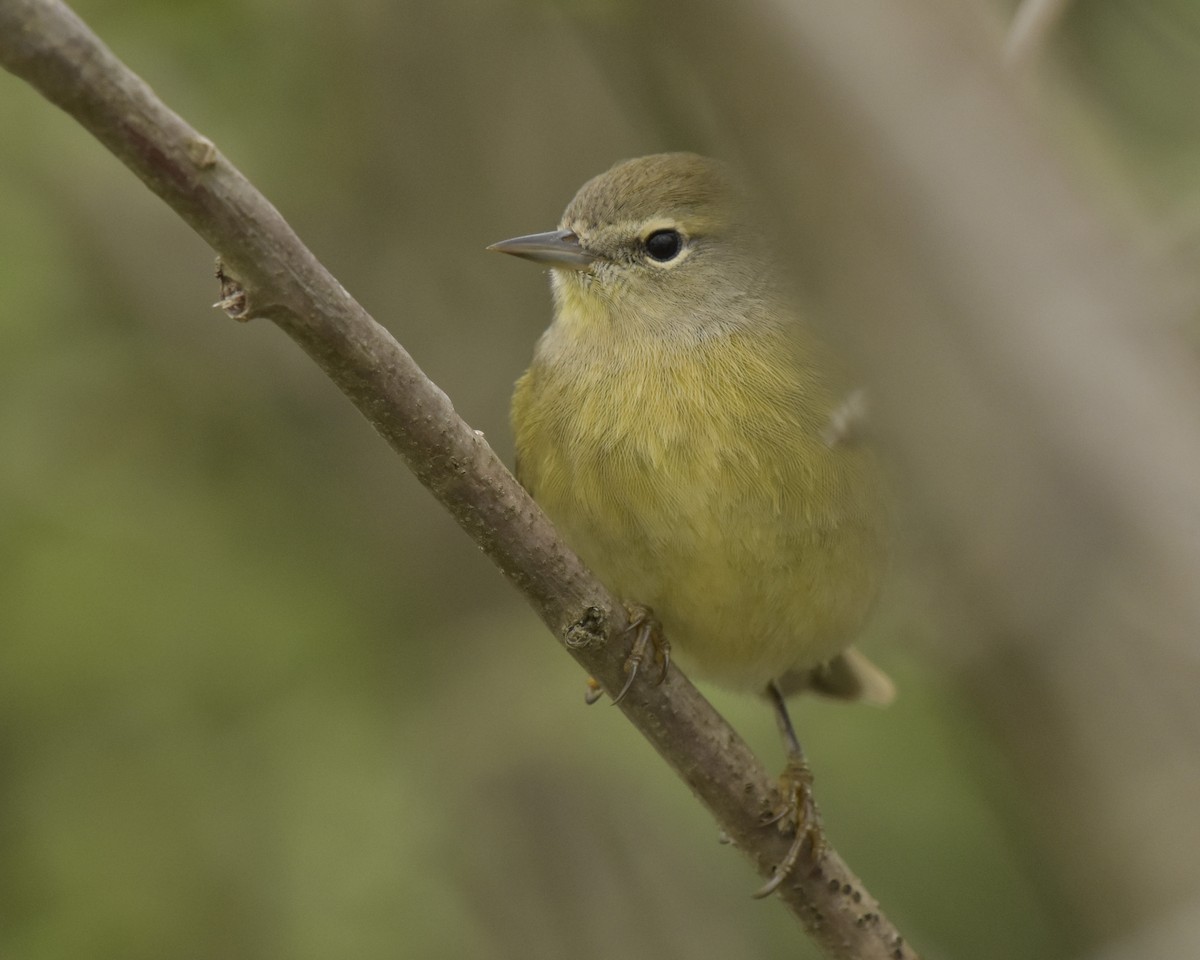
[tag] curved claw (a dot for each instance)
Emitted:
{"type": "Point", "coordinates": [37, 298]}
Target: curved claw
{"type": "Point", "coordinates": [787, 866]}
{"type": "Point", "coordinates": [632, 666]}
{"type": "Point", "coordinates": [647, 637]}
{"type": "Point", "coordinates": [770, 886]}
{"type": "Point", "coordinates": [775, 818]}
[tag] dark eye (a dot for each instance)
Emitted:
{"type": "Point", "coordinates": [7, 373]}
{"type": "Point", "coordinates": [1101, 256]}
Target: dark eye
{"type": "Point", "coordinates": [664, 245]}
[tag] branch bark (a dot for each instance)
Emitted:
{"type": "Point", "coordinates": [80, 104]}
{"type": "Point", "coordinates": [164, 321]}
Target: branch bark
{"type": "Point", "coordinates": [271, 274]}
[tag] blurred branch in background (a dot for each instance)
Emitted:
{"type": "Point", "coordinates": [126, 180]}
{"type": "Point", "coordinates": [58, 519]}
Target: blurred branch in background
{"type": "Point", "coordinates": [1032, 24]}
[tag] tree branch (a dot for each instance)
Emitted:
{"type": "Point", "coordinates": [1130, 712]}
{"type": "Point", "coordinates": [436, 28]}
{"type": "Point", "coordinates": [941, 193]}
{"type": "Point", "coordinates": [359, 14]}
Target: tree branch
{"type": "Point", "coordinates": [272, 274]}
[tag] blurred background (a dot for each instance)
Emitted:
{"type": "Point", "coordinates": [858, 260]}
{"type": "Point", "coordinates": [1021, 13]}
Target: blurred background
{"type": "Point", "coordinates": [259, 697]}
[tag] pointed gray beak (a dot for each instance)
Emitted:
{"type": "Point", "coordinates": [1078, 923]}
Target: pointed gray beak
{"type": "Point", "coordinates": [558, 248]}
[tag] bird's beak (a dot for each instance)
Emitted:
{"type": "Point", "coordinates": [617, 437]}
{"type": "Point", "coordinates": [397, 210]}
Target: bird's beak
{"type": "Point", "coordinates": [558, 248]}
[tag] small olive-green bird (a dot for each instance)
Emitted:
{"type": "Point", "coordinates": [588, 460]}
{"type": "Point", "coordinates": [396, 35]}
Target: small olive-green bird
{"type": "Point", "coordinates": [679, 424]}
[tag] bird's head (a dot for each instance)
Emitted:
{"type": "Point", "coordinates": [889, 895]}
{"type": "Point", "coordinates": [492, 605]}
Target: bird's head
{"type": "Point", "coordinates": [658, 245]}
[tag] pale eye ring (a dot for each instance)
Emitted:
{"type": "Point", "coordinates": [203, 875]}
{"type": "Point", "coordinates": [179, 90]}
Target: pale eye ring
{"type": "Point", "coordinates": [664, 245]}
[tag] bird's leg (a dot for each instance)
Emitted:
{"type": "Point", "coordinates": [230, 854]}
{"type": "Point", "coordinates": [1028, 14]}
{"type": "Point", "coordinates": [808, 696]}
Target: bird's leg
{"type": "Point", "coordinates": [647, 636]}
{"type": "Point", "coordinates": [798, 810]}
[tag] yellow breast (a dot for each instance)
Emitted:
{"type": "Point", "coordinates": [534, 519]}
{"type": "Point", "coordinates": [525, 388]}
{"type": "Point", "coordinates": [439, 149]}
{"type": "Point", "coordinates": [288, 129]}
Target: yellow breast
{"type": "Point", "coordinates": [692, 478]}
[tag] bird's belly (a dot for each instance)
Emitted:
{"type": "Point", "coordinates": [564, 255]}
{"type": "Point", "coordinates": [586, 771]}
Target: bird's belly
{"type": "Point", "coordinates": [748, 580]}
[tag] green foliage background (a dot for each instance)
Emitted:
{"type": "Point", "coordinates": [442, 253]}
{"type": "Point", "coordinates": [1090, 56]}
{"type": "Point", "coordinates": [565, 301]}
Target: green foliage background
{"type": "Point", "coordinates": [258, 696]}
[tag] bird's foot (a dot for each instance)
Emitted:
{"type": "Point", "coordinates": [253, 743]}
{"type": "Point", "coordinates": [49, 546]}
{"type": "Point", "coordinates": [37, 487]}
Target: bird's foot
{"type": "Point", "coordinates": [796, 814]}
{"type": "Point", "coordinates": [647, 638]}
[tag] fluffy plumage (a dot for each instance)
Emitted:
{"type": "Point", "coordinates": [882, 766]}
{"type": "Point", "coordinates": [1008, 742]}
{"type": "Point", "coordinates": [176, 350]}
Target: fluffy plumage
{"type": "Point", "coordinates": [671, 425]}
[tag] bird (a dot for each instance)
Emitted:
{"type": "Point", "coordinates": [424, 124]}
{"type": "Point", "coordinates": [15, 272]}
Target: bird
{"type": "Point", "coordinates": [684, 427]}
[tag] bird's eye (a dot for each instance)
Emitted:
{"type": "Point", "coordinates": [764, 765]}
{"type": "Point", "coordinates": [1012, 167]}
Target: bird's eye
{"type": "Point", "coordinates": [664, 245]}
